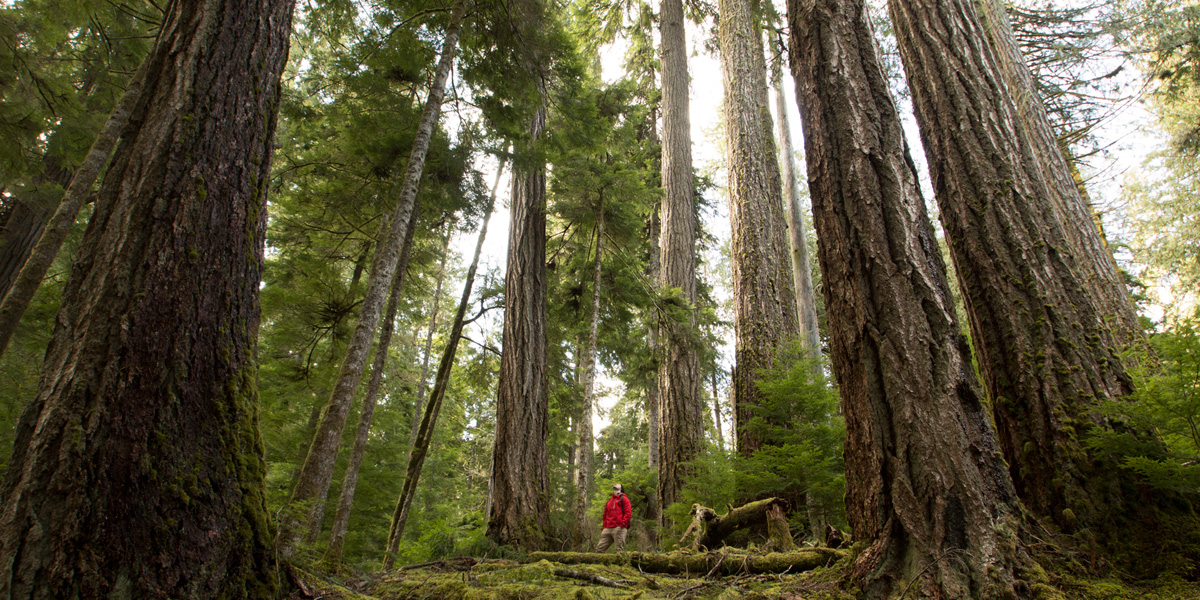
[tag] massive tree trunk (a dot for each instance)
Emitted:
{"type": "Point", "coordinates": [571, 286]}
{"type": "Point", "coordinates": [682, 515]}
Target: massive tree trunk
{"type": "Point", "coordinates": [341, 520]}
{"type": "Point", "coordinates": [142, 441]}
{"type": "Point", "coordinates": [51, 234]}
{"type": "Point", "coordinates": [520, 478]}
{"type": "Point", "coordinates": [928, 489]}
{"type": "Point", "coordinates": [764, 301]}
{"type": "Point", "coordinates": [420, 448]}
{"type": "Point", "coordinates": [308, 497]}
{"type": "Point", "coordinates": [588, 382]}
{"type": "Point", "coordinates": [1063, 182]}
{"type": "Point", "coordinates": [681, 434]}
{"type": "Point", "coordinates": [1039, 314]}
{"type": "Point", "coordinates": [806, 297]}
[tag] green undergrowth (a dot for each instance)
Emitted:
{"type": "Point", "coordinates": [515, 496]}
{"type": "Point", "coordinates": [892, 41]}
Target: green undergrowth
{"type": "Point", "coordinates": [1059, 576]}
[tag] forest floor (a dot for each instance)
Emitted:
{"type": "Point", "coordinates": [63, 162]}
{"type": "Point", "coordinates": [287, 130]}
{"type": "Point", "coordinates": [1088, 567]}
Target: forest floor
{"type": "Point", "coordinates": [483, 579]}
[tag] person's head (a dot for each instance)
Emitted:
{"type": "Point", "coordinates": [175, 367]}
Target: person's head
{"type": "Point", "coordinates": [618, 489]}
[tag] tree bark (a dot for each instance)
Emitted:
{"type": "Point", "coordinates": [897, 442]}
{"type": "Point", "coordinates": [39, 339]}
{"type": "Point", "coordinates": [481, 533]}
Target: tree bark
{"type": "Point", "coordinates": [764, 299]}
{"type": "Point", "coordinates": [420, 449]}
{"type": "Point", "coordinates": [419, 404]}
{"type": "Point", "coordinates": [1038, 308]}
{"type": "Point", "coordinates": [52, 233]}
{"type": "Point", "coordinates": [681, 436]}
{"type": "Point", "coordinates": [717, 413]}
{"type": "Point", "coordinates": [341, 521]}
{"type": "Point", "coordinates": [23, 226]}
{"type": "Point", "coordinates": [520, 477]}
{"type": "Point", "coordinates": [308, 497]}
{"type": "Point", "coordinates": [653, 404]}
{"type": "Point", "coordinates": [928, 490]}
{"type": "Point", "coordinates": [142, 440]}
{"type": "Point", "coordinates": [710, 529]}
{"type": "Point", "coordinates": [582, 524]}
{"type": "Point", "coordinates": [806, 297]}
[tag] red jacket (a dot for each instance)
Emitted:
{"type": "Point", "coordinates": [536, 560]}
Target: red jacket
{"type": "Point", "coordinates": [617, 512]}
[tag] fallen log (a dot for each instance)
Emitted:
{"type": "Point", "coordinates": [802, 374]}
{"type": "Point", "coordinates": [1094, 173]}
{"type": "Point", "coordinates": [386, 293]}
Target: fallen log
{"type": "Point", "coordinates": [573, 574]}
{"type": "Point", "coordinates": [709, 530]}
{"type": "Point", "coordinates": [726, 562]}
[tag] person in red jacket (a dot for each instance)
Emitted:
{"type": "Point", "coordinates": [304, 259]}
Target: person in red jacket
{"type": "Point", "coordinates": [617, 515]}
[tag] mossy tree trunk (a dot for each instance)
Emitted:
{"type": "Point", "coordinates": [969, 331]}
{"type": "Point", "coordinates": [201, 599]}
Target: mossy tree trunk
{"type": "Point", "coordinates": [681, 431]}
{"type": "Point", "coordinates": [926, 486]}
{"type": "Point", "coordinates": [709, 530]}
{"type": "Point", "coordinates": [138, 468]}
{"type": "Point", "coordinates": [764, 299]}
{"type": "Point", "coordinates": [520, 471]}
{"type": "Point", "coordinates": [307, 502]}
{"type": "Point", "coordinates": [1045, 322]}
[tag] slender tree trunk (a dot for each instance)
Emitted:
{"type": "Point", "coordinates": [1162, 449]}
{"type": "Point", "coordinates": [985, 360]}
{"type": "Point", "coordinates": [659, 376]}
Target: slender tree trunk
{"type": "Point", "coordinates": [583, 525]}
{"type": "Point", "coordinates": [54, 232]}
{"type": "Point", "coordinates": [717, 413]}
{"type": "Point", "coordinates": [433, 315]}
{"type": "Point", "coordinates": [653, 404]}
{"type": "Point", "coordinates": [1039, 313]}
{"type": "Point", "coordinates": [520, 478]}
{"type": "Point", "coordinates": [420, 450]}
{"type": "Point", "coordinates": [308, 497]}
{"type": "Point", "coordinates": [929, 491]}
{"type": "Point", "coordinates": [142, 441]}
{"type": "Point", "coordinates": [341, 521]}
{"type": "Point", "coordinates": [682, 433]}
{"type": "Point", "coordinates": [806, 297]}
{"type": "Point", "coordinates": [764, 299]}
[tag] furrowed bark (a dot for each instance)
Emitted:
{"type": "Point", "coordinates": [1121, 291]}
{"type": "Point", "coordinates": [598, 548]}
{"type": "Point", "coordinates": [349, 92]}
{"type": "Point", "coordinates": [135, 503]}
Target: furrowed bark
{"type": "Point", "coordinates": [1039, 310]}
{"type": "Point", "coordinates": [142, 440]}
{"type": "Point", "coordinates": [931, 494]}
{"type": "Point", "coordinates": [420, 449]}
{"type": "Point", "coordinates": [764, 299]}
{"type": "Point", "coordinates": [682, 433]}
{"type": "Point", "coordinates": [307, 501]}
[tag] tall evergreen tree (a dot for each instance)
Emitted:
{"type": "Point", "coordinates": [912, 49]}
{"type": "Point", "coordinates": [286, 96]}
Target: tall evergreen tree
{"type": "Point", "coordinates": [1049, 327]}
{"type": "Point", "coordinates": [764, 300]}
{"type": "Point", "coordinates": [681, 431]}
{"type": "Point", "coordinates": [143, 437]}
{"type": "Point", "coordinates": [926, 486]}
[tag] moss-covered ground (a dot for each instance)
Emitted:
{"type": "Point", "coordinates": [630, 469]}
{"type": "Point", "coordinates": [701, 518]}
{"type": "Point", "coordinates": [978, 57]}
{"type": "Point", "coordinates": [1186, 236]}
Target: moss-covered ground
{"type": "Point", "coordinates": [478, 579]}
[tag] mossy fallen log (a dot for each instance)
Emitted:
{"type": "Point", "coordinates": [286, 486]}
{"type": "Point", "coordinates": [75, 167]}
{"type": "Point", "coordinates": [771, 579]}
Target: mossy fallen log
{"type": "Point", "coordinates": [709, 530]}
{"type": "Point", "coordinates": [727, 562]}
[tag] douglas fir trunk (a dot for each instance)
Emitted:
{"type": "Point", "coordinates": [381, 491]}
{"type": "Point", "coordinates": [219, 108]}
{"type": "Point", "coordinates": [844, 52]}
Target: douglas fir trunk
{"type": "Point", "coordinates": [681, 433]}
{"type": "Point", "coordinates": [520, 476]}
{"type": "Point", "coordinates": [1040, 315]}
{"type": "Point", "coordinates": [927, 487]}
{"type": "Point", "coordinates": [764, 299]}
{"type": "Point", "coordinates": [138, 468]}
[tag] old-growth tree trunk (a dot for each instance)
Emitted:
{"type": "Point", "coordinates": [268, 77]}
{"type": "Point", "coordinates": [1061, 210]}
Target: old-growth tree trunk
{"type": "Point", "coordinates": [142, 440]}
{"type": "Point", "coordinates": [1063, 182]}
{"type": "Point", "coordinates": [420, 448]}
{"type": "Point", "coordinates": [806, 297]}
{"type": "Point", "coordinates": [764, 300]}
{"type": "Point", "coordinates": [53, 232]}
{"type": "Point", "coordinates": [1039, 315]}
{"type": "Point", "coordinates": [520, 473]}
{"type": "Point", "coordinates": [929, 491]}
{"type": "Point", "coordinates": [681, 434]}
{"type": "Point", "coordinates": [308, 497]}
{"type": "Point", "coordinates": [588, 382]}
{"type": "Point", "coordinates": [341, 520]}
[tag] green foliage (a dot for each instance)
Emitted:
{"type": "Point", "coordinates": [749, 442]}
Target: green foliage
{"type": "Point", "coordinates": [1167, 402]}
